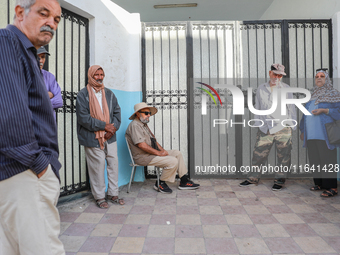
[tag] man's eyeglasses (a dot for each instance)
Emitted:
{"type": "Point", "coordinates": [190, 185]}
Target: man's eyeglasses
{"type": "Point", "coordinates": [146, 113]}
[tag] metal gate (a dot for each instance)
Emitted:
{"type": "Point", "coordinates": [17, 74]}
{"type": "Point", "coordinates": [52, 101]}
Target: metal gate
{"type": "Point", "coordinates": [69, 62]}
{"type": "Point", "coordinates": [178, 55]}
{"type": "Point", "coordinates": [164, 84]}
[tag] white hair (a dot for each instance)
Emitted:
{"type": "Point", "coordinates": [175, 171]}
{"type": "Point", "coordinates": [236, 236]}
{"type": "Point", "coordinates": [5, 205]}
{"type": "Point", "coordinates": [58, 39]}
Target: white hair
{"type": "Point", "coordinates": [26, 4]}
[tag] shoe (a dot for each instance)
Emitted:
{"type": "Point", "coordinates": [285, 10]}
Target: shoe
{"type": "Point", "coordinates": [163, 187]}
{"type": "Point", "coordinates": [316, 188]}
{"type": "Point", "coordinates": [246, 183]}
{"type": "Point", "coordinates": [277, 187]}
{"type": "Point", "coordinates": [185, 179]}
{"type": "Point", "coordinates": [329, 193]}
{"type": "Point", "coordinates": [188, 185]}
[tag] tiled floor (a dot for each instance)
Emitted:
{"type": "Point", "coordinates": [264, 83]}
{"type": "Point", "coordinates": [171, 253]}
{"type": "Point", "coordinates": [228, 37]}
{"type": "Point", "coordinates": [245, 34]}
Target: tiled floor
{"type": "Point", "coordinates": [218, 218]}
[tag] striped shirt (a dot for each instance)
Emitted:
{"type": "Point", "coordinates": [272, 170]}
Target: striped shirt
{"type": "Point", "coordinates": [28, 132]}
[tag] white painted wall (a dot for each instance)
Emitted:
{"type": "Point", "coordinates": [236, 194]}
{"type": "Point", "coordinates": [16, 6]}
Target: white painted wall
{"type": "Point", "coordinates": [301, 9]}
{"type": "Point", "coordinates": [115, 44]}
{"type": "Point", "coordinates": [114, 41]}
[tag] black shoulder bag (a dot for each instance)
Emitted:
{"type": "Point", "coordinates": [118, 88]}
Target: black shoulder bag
{"type": "Point", "coordinates": [153, 140]}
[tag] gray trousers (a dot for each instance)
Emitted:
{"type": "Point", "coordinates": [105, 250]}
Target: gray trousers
{"type": "Point", "coordinates": [95, 158]}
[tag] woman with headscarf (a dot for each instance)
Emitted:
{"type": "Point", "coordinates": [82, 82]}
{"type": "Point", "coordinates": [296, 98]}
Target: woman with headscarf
{"type": "Point", "coordinates": [324, 107]}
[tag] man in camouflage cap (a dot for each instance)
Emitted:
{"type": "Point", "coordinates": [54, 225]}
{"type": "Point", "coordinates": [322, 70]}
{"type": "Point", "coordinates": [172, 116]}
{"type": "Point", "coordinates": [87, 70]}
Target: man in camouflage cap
{"type": "Point", "coordinates": [271, 129]}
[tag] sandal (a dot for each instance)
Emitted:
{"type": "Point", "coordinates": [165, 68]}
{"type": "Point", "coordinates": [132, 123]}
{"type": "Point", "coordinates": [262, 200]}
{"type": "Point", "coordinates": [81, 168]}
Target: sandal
{"type": "Point", "coordinates": [115, 199]}
{"type": "Point", "coordinates": [329, 193]}
{"type": "Point", "coordinates": [315, 188]}
{"type": "Point", "coordinates": [101, 203]}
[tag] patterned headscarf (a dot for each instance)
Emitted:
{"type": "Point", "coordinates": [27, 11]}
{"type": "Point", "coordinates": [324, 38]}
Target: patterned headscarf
{"type": "Point", "coordinates": [326, 93]}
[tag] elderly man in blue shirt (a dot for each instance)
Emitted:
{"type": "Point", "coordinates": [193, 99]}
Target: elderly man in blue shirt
{"type": "Point", "coordinates": [29, 166]}
{"type": "Point", "coordinates": [52, 86]}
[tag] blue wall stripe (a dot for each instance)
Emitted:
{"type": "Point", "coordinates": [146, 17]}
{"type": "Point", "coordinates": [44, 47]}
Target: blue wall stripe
{"type": "Point", "coordinates": [126, 101]}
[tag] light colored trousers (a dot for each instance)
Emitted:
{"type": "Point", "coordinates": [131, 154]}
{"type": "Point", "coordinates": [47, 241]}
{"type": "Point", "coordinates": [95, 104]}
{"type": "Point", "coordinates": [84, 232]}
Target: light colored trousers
{"type": "Point", "coordinates": [29, 219]}
{"type": "Point", "coordinates": [171, 164]}
{"type": "Point", "coordinates": [95, 158]}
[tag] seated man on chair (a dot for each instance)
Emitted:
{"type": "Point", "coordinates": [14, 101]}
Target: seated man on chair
{"type": "Point", "coordinates": [146, 151]}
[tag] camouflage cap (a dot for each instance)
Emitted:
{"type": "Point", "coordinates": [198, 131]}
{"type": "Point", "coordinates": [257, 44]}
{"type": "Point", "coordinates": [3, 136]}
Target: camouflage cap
{"type": "Point", "coordinates": [278, 69]}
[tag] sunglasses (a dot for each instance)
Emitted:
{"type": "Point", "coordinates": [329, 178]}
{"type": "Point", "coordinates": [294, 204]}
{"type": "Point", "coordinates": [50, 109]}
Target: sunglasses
{"type": "Point", "coordinates": [278, 75]}
{"type": "Point", "coordinates": [322, 69]}
{"type": "Point", "coordinates": [146, 113]}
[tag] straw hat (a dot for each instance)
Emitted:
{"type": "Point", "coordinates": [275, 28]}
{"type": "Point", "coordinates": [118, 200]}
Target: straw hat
{"type": "Point", "coordinates": [141, 106]}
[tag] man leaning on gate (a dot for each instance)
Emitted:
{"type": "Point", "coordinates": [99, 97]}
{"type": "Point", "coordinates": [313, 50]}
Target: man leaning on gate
{"type": "Point", "coordinates": [52, 86]}
{"type": "Point", "coordinates": [98, 119]}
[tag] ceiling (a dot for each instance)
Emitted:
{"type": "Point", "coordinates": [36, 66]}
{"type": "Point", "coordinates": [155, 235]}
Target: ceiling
{"type": "Point", "coordinates": [206, 9]}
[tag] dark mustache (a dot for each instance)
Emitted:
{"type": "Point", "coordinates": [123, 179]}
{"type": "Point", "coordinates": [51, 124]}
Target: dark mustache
{"type": "Point", "coordinates": [47, 29]}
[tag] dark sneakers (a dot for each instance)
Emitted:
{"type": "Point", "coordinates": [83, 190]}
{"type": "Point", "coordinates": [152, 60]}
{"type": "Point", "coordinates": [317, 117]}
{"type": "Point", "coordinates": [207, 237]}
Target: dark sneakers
{"type": "Point", "coordinates": [246, 183]}
{"type": "Point", "coordinates": [163, 187]}
{"type": "Point", "coordinates": [188, 185]}
{"type": "Point", "coordinates": [278, 184]}
{"type": "Point", "coordinates": [276, 187]}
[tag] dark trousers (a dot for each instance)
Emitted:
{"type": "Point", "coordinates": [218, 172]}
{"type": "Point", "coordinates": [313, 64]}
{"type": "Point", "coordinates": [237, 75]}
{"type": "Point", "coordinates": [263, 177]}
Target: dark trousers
{"type": "Point", "coordinates": [319, 154]}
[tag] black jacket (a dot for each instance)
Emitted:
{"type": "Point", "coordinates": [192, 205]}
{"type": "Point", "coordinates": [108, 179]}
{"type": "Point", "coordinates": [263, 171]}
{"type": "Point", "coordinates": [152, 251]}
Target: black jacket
{"type": "Point", "coordinates": [86, 125]}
